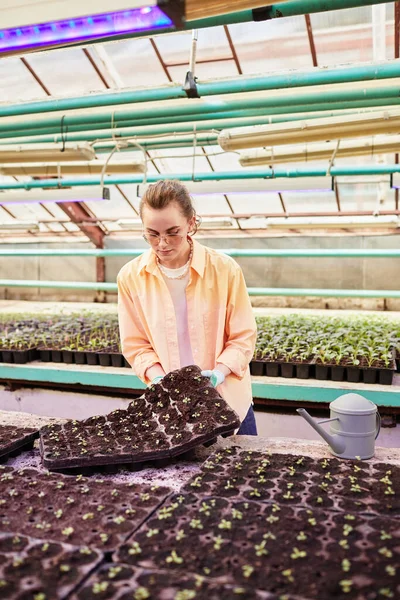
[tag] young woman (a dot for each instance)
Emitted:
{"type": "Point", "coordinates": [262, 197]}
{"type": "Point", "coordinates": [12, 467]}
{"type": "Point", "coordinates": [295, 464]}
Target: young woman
{"type": "Point", "coordinates": [181, 303]}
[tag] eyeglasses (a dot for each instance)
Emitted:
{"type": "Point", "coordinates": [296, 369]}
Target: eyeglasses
{"type": "Point", "coordinates": [171, 239]}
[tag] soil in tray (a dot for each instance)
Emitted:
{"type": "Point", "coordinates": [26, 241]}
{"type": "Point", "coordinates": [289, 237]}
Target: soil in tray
{"type": "Point", "coordinates": [123, 582]}
{"type": "Point", "coordinates": [183, 411]}
{"type": "Point", "coordinates": [14, 439]}
{"type": "Point", "coordinates": [280, 549]}
{"type": "Point", "coordinates": [289, 479]}
{"type": "Point", "coordinates": [36, 569]}
{"type": "Point", "coordinates": [77, 510]}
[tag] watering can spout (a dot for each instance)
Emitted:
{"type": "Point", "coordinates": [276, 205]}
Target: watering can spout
{"type": "Point", "coordinates": [336, 443]}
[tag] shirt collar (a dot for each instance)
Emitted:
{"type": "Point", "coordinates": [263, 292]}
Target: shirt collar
{"type": "Point", "coordinates": [148, 260]}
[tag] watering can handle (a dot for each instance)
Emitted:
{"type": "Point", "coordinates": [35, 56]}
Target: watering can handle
{"type": "Point", "coordinates": [378, 423]}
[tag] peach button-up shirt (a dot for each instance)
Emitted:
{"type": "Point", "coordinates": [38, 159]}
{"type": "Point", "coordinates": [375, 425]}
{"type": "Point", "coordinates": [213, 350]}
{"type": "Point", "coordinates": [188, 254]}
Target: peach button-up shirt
{"type": "Point", "coordinates": [222, 326]}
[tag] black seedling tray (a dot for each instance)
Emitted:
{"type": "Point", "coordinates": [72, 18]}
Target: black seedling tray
{"type": "Point", "coordinates": [123, 582]}
{"type": "Point", "coordinates": [181, 412]}
{"type": "Point", "coordinates": [36, 569]}
{"type": "Point", "coordinates": [355, 374]}
{"type": "Point", "coordinates": [14, 439]}
{"type": "Point", "coordinates": [275, 548]}
{"type": "Point", "coordinates": [78, 510]}
{"type": "Point", "coordinates": [328, 483]}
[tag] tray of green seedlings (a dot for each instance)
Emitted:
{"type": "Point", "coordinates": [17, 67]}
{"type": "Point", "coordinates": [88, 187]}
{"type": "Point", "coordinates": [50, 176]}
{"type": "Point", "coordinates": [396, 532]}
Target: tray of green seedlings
{"type": "Point", "coordinates": [15, 439]}
{"type": "Point", "coordinates": [41, 569]}
{"type": "Point", "coordinates": [328, 483]}
{"type": "Point", "coordinates": [79, 510]}
{"type": "Point", "coordinates": [123, 582]}
{"type": "Point", "coordinates": [349, 348]}
{"type": "Point", "coordinates": [172, 417]}
{"type": "Point", "coordinates": [272, 547]}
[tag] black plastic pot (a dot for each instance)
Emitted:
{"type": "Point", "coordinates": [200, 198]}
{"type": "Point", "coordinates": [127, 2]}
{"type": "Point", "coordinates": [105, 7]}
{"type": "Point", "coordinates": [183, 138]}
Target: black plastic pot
{"type": "Point", "coordinates": [80, 358]}
{"type": "Point", "coordinates": [1, 356]}
{"type": "Point", "coordinates": [92, 358]}
{"type": "Point", "coordinates": [257, 368]}
{"type": "Point", "coordinates": [33, 354]}
{"type": "Point", "coordinates": [56, 356]}
{"type": "Point", "coordinates": [322, 372]}
{"type": "Point", "coordinates": [272, 369]}
{"type": "Point", "coordinates": [21, 357]}
{"type": "Point", "coordinates": [8, 356]}
{"type": "Point", "coordinates": [369, 375]}
{"type": "Point", "coordinates": [104, 359]}
{"type": "Point", "coordinates": [68, 356]}
{"type": "Point", "coordinates": [353, 374]}
{"type": "Point", "coordinates": [386, 376]}
{"type": "Point", "coordinates": [117, 360]}
{"type": "Point", "coordinates": [45, 355]}
{"type": "Point", "coordinates": [303, 371]}
{"type": "Point", "coordinates": [338, 373]}
{"type": "Point", "coordinates": [287, 370]}
{"type": "Point", "coordinates": [126, 364]}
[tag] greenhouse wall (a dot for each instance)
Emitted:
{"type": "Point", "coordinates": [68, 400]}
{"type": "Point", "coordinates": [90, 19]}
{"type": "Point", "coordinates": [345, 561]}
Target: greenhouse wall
{"type": "Point", "coordinates": [330, 273]}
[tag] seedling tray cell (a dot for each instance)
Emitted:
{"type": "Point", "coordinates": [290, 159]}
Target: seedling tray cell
{"type": "Point", "coordinates": [181, 412]}
{"type": "Point", "coordinates": [271, 547]}
{"type": "Point", "coordinates": [328, 483]}
{"type": "Point", "coordinates": [38, 569]}
{"type": "Point", "coordinates": [14, 439]}
{"type": "Point", "coordinates": [123, 582]}
{"type": "Point", "coordinates": [78, 510]}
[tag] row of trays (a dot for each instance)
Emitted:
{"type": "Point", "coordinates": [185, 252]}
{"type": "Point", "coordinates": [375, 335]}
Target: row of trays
{"type": "Point", "coordinates": [324, 372]}
{"type": "Point", "coordinates": [104, 358]}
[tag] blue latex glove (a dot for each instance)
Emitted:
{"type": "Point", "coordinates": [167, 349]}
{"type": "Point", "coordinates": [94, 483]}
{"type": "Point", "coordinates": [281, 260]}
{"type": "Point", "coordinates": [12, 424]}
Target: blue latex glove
{"type": "Point", "coordinates": [215, 376]}
{"type": "Point", "coordinates": [156, 379]}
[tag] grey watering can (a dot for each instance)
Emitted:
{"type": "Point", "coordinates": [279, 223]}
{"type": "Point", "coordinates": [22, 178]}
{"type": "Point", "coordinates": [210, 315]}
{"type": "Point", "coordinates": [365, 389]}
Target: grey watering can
{"type": "Point", "coordinates": [355, 425]}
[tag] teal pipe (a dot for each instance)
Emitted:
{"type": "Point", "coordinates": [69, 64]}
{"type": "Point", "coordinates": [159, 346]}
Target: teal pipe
{"type": "Point", "coordinates": [304, 7]}
{"type": "Point", "coordinates": [263, 114]}
{"type": "Point", "coordinates": [210, 106]}
{"type": "Point", "coordinates": [208, 176]}
{"type": "Point", "coordinates": [323, 293]}
{"type": "Point", "coordinates": [235, 252]}
{"type": "Point", "coordinates": [182, 127]}
{"type": "Point", "coordinates": [312, 77]}
{"type": "Point", "coordinates": [112, 287]}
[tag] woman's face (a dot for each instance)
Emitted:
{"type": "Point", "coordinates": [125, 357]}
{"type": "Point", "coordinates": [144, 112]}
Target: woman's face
{"type": "Point", "coordinates": [172, 226]}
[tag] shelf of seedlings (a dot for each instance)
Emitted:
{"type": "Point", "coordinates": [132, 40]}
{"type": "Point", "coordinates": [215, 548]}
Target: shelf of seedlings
{"type": "Point", "coordinates": [297, 358]}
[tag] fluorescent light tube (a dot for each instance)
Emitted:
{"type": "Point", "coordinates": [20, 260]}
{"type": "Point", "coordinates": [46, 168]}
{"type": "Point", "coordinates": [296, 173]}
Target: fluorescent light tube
{"type": "Point", "coordinates": [76, 194]}
{"type": "Point", "coordinates": [335, 222]}
{"type": "Point", "coordinates": [312, 130]}
{"type": "Point", "coordinates": [132, 224]}
{"type": "Point", "coordinates": [322, 151]}
{"type": "Point", "coordinates": [22, 225]}
{"type": "Point", "coordinates": [244, 186]}
{"type": "Point", "coordinates": [54, 153]}
{"type": "Point", "coordinates": [94, 167]}
{"type": "Point", "coordinates": [60, 22]}
{"type": "Point", "coordinates": [217, 223]}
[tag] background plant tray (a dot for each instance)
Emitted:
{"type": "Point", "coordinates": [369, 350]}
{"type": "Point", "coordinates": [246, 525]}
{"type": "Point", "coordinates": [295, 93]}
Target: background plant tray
{"type": "Point", "coordinates": [78, 510]}
{"type": "Point", "coordinates": [30, 567]}
{"type": "Point", "coordinates": [122, 582]}
{"type": "Point", "coordinates": [13, 439]}
{"type": "Point", "coordinates": [235, 473]}
{"type": "Point", "coordinates": [382, 376]}
{"type": "Point", "coordinates": [250, 543]}
{"type": "Point", "coordinates": [174, 416]}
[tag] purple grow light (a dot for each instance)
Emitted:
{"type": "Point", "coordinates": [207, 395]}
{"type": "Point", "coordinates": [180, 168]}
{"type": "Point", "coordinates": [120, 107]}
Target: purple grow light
{"type": "Point", "coordinates": [81, 29]}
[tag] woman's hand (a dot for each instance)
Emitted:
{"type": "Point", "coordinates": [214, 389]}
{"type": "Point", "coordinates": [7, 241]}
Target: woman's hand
{"type": "Point", "coordinates": [216, 376]}
{"type": "Point", "coordinates": [155, 372]}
